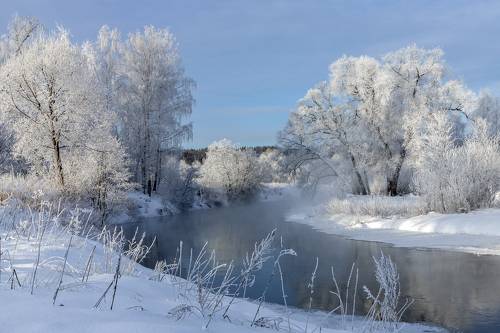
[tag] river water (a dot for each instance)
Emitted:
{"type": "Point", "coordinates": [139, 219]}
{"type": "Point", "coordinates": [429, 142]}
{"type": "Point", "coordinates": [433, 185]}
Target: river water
{"type": "Point", "coordinates": [459, 291]}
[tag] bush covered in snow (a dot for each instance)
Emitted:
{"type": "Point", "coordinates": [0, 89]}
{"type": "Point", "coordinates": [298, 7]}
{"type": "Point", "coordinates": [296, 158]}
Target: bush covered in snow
{"type": "Point", "coordinates": [228, 172]}
{"type": "Point", "coordinates": [22, 187]}
{"type": "Point", "coordinates": [455, 177]}
{"type": "Point", "coordinates": [178, 184]}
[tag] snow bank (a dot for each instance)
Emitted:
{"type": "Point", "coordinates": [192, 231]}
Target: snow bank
{"type": "Point", "coordinates": [142, 302]}
{"type": "Point", "coordinates": [476, 232]}
{"type": "Point", "coordinates": [483, 222]}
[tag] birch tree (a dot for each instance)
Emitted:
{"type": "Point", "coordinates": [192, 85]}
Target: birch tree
{"type": "Point", "coordinates": [20, 32]}
{"type": "Point", "coordinates": [43, 100]}
{"type": "Point", "coordinates": [156, 99]}
{"type": "Point", "coordinates": [103, 57]}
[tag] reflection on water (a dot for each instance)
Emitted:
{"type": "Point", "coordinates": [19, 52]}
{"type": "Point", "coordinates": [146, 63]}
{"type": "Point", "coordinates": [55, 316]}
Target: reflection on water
{"type": "Point", "coordinates": [456, 290]}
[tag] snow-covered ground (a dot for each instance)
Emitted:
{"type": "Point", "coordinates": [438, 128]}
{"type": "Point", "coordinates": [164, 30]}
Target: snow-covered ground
{"type": "Point", "coordinates": [475, 232]}
{"type": "Point", "coordinates": [142, 302]}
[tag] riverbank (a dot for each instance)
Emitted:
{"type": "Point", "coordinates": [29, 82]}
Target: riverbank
{"type": "Point", "coordinates": [55, 281]}
{"type": "Point", "coordinates": [475, 232]}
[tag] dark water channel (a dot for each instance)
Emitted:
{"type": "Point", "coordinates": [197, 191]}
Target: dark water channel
{"type": "Point", "coordinates": [456, 290]}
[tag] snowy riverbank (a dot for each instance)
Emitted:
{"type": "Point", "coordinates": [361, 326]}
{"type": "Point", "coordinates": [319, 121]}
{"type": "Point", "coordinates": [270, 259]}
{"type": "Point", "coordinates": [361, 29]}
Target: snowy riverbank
{"type": "Point", "coordinates": [475, 232]}
{"type": "Point", "coordinates": [42, 262]}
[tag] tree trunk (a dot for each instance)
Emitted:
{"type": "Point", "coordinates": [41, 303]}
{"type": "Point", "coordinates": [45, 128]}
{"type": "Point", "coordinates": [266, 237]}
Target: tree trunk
{"type": "Point", "coordinates": [145, 149]}
{"type": "Point", "coordinates": [392, 182]}
{"type": "Point", "coordinates": [155, 182]}
{"type": "Point", "coordinates": [364, 187]}
{"type": "Point", "coordinates": [143, 172]}
{"type": "Point", "coordinates": [157, 175]}
{"type": "Point", "coordinates": [149, 187]}
{"type": "Point", "coordinates": [392, 186]}
{"type": "Point", "coordinates": [57, 157]}
{"type": "Point", "coordinates": [56, 140]}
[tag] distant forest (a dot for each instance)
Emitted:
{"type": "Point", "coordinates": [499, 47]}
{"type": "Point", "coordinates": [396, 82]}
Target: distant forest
{"type": "Point", "coordinates": [191, 155]}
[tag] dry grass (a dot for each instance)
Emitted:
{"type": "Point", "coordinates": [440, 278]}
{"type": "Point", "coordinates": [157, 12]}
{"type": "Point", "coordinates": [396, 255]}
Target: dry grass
{"type": "Point", "coordinates": [381, 206]}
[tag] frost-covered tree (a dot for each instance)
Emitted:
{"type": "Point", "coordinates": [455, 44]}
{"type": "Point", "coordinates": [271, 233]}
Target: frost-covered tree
{"type": "Point", "coordinates": [55, 106]}
{"type": "Point", "coordinates": [179, 182]}
{"type": "Point", "coordinates": [156, 97]}
{"type": "Point", "coordinates": [488, 109]}
{"type": "Point", "coordinates": [360, 123]}
{"type": "Point", "coordinates": [104, 61]}
{"type": "Point", "coordinates": [45, 100]}
{"type": "Point", "coordinates": [229, 171]}
{"type": "Point", "coordinates": [20, 31]}
{"type": "Point", "coordinates": [7, 141]}
{"type": "Point", "coordinates": [144, 84]}
{"type": "Point", "coordinates": [409, 80]}
{"type": "Point", "coordinates": [320, 130]}
{"type": "Point", "coordinates": [94, 116]}
{"type": "Point", "coordinates": [271, 163]}
{"type": "Point", "coordinates": [100, 175]}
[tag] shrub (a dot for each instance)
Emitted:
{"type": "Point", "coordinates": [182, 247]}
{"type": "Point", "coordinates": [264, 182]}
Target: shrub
{"type": "Point", "coordinates": [23, 187]}
{"type": "Point", "coordinates": [463, 177]}
{"type": "Point", "coordinates": [229, 172]}
{"type": "Point", "coordinates": [271, 163]}
{"type": "Point", "coordinates": [178, 182]}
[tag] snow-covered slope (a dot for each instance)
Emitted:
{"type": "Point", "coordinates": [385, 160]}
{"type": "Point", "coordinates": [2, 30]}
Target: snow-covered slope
{"type": "Point", "coordinates": [476, 232]}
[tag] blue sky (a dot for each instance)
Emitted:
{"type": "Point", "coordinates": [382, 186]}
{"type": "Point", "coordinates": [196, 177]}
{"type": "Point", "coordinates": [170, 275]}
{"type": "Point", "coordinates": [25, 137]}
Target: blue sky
{"type": "Point", "coordinates": [253, 59]}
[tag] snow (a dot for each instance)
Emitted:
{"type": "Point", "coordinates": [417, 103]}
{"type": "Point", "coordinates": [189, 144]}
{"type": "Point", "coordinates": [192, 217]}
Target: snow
{"type": "Point", "coordinates": [141, 306]}
{"type": "Point", "coordinates": [475, 232]}
{"type": "Point", "coordinates": [151, 206]}
{"type": "Point", "coordinates": [142, 303]}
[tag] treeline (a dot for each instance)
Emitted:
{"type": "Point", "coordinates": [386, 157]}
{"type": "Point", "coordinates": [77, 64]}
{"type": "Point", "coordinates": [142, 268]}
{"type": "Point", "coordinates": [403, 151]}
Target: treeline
{"type": "Point", "coordinates": [198, 155]}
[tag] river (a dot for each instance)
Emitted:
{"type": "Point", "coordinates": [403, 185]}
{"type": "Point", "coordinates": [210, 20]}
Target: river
{"type": "Point", "coordinates": [459, 291]}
